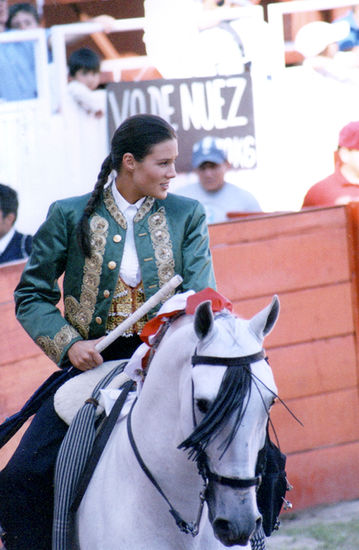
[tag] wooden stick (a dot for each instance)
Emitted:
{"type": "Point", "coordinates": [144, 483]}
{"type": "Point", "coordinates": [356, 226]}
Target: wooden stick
{"type": "Point", "coordinates": [140, 312]}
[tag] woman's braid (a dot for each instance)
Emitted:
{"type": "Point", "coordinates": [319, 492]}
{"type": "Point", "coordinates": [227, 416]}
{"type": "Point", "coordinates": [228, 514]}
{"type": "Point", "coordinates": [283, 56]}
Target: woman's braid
{"type": "Point", "coordinates": [83, 228]}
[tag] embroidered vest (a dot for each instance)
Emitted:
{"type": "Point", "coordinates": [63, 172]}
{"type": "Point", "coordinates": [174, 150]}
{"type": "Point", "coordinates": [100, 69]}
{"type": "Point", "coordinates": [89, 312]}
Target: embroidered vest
{"type": "Point", "coordinates": [126, 300]}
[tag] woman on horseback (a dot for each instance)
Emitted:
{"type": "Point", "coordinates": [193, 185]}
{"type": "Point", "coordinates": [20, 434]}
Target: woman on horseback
{"type": "Point", "coordinates": [114, 248]}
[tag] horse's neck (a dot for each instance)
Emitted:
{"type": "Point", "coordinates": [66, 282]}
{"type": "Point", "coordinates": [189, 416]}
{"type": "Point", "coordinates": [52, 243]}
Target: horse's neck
{"type": "Point", "coordinates": [159, 397]}
{"type": "Point", "coordinates": [171, 355]}
{"type": "Point", "coordinates": [157, 419]}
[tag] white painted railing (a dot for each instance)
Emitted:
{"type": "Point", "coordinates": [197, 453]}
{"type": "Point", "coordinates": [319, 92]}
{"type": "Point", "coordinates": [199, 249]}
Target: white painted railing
{"type": "Point", "coordinates": [49, 148]}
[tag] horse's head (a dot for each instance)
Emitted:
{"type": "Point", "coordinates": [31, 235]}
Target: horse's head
{"type": "Point", "coordinates": [233, 390]}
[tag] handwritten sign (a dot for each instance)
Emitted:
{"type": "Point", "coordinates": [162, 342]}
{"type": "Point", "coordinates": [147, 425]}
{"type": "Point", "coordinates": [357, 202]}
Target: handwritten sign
{"type": "Point", "coordinates": [220, 106]}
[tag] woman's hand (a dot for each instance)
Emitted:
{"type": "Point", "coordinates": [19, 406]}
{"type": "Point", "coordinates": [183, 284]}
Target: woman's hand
{"type": "Point", "coordinates": [84, 356]}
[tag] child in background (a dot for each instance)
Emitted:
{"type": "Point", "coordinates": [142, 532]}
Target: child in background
{"type": "Point", "coordinates": [84, 73]}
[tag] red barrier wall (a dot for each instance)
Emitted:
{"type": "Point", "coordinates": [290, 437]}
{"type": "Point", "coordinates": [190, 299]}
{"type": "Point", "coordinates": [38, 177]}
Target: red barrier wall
{"type": "Point", "coordinates": [23, 366]}
{"type": "Point", "coordinates": [309, 260]}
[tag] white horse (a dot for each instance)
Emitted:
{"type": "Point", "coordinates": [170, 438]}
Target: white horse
{"type": "Point", "coordinates": [209, 390]}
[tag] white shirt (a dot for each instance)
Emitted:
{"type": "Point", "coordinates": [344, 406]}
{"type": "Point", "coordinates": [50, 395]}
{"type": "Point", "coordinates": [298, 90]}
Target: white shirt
{"type": "Point", "coordinates": [179, 48]}
{"type": "Point", "coordinates": [218, 203]}
{"type": "Point", "coordinates": [130, 271]}
{"type": "Point", "coordinates": [84, 97]}
{"type": "Point", "coordinates": [6, 239]}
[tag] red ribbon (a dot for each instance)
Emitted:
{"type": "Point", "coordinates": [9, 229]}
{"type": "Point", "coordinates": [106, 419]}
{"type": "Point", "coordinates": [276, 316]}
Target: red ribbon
{"type": "Point", "coordinates": [219, 302]}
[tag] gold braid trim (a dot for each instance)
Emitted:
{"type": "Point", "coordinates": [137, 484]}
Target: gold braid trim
{"type": "Point", "coordinates": [80, 314]}
{"type": "Point", "coordinates": [126, 300]}
{"type": "Point", "coordinates": [162, 245]}
{"type": "Point", "coordinates": [116, 213]}
{"type": "Point", "coordinates": [55, 347]}
{"type": "Point", "coordinates": [113, 209]}
{"type": "Point", "coordinates": [159, 232]}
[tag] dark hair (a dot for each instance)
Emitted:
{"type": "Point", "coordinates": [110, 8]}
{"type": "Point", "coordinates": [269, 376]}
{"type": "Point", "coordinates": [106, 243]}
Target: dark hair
{"type": "Point", "coordinates": [85, 59]}
{"type": "Point", "coordinates": [21, 6]}
{"type": "Point", "coordinates": [9, 202]}
{"type": "Point", "coordinates": [137, 135]}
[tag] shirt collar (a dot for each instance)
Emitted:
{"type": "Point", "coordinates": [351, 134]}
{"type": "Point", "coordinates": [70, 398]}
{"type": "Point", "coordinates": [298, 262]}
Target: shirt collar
{"type": "Point", "coordinates": [6, 239]}
{"type": "Point", "coordinates": [121, 202]}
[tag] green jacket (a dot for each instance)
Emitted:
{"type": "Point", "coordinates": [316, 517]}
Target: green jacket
{"type": "Point", "coordinates": [171, 238]}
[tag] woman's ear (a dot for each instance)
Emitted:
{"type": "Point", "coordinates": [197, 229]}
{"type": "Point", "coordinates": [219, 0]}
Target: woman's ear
{"type": "Point", "coordinates": [128, 161]}
{"type": "Point", "coordinates": [9, 220]}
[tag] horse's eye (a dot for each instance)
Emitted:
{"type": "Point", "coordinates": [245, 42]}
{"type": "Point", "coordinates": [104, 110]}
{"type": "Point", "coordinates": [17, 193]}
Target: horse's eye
{"type": "Point", "coordinates": [203, 405]}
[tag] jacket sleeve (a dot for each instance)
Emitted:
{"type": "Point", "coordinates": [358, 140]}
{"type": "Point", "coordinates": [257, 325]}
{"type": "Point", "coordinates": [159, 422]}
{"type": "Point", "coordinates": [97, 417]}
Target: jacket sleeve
{"type": "Point", "coordinates": [198, 270]}
{"type": "Point", "coordinates": [38, 292]}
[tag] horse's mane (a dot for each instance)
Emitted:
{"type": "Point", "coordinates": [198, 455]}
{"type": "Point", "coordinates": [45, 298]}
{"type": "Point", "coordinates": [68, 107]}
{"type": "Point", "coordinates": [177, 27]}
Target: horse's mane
{"type": "Point", "coordinates": [231, 398]}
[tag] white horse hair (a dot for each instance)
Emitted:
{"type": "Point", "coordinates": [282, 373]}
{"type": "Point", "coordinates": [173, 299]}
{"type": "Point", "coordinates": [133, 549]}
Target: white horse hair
{"type": "Point", "coordinates": [122, 509]}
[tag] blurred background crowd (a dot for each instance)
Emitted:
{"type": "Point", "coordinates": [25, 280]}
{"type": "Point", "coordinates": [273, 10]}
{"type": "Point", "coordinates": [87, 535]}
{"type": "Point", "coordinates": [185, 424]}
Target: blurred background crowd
{"type": "Point", "coordinates": [58, 61]}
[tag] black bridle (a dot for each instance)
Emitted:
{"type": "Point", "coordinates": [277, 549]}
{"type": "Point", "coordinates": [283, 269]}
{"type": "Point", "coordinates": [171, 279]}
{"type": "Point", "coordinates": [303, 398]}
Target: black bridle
{"type": "Point", "coordinates": [202, 462]}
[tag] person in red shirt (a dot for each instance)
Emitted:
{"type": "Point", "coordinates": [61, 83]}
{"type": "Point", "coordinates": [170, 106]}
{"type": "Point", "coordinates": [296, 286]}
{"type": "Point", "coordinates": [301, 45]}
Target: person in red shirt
{"type": "Point", "coordinates": [342, 186]}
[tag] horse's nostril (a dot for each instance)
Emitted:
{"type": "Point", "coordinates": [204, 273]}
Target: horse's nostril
{"type": "Point", "coordinates": [221, 526]}
{"type": "Point", "coordinates": [258, 522]}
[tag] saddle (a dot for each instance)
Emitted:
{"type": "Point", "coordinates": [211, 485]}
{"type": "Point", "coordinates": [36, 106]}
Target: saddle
{"type": "Point", "coordinates": [70, 397]}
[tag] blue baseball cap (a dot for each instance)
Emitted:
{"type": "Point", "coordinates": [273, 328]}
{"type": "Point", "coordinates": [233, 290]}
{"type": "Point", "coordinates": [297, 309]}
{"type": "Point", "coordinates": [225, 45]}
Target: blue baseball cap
{"type": "Point", "coordinates": [209, 149]}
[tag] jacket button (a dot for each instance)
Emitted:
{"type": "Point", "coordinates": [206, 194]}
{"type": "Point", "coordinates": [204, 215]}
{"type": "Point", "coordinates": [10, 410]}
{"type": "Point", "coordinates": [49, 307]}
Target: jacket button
{"type": "Point", "coordinates": [117, 238]}
{"type": "Point", "coordinates": [111, 265]}
{"type": "Point", "coordinates": [106, 293]}
{"type": "Point", "coordinates": [98, 320]}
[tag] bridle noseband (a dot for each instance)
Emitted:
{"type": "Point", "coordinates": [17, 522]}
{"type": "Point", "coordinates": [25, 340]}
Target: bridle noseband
{"type": "Point", "coordinates": [228, 361]}
{"type": "Point", "coordinates": [207, 475]}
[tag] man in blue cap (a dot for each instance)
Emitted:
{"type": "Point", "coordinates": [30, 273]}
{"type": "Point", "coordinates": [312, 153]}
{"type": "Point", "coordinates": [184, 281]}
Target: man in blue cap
{"type": "Point", "coordinates": [210, 163]}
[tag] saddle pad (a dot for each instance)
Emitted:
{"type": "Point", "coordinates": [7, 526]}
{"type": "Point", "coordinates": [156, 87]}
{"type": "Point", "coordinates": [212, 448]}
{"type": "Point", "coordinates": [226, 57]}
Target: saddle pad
{"type": "Point", "coordinates": [70, 397]}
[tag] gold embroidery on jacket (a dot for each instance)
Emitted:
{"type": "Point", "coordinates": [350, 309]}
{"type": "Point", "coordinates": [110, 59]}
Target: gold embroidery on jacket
{"type": "Point", "coordinates": [116, 213]}
{"type": "Point", "coordinates": [80, 314]}
{"type": "Point", "coordinates": [55, 347]}
{"type": "Point", "coordinates": [162, 246]}
{"type": "Point", "coordinates": [144, 209]}
{"type": "Point", "coordinates": [160, 235]}
{"type": "Point", "coordinates": [113, 209]}
{"type": "Point", "coordinates": [126, 300]}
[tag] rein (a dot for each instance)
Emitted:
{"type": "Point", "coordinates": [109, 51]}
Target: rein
{"type": "Point", "coordinates": [207, 476]}
{"type": "Point", "coordinates": [184, 526]}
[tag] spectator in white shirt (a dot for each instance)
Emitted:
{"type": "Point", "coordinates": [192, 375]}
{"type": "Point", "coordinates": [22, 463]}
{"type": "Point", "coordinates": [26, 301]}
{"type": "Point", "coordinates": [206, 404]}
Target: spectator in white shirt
{"type": "Point", "coordinates": [84, 73]}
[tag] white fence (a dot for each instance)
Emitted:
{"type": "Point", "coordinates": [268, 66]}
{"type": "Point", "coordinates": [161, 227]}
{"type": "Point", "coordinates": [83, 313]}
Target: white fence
{"type": "Point", "coordinates": [49, 149]}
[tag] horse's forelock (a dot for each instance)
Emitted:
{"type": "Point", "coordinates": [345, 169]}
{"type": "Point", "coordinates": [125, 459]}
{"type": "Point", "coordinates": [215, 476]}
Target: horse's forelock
{"type": "Point", "coordinates": [231, 399]}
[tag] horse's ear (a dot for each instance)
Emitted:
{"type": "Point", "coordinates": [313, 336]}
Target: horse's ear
{"type": "Point", "coordinates": [263, 322]}
{"type": "Point", "coordinates": [203, 319]}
